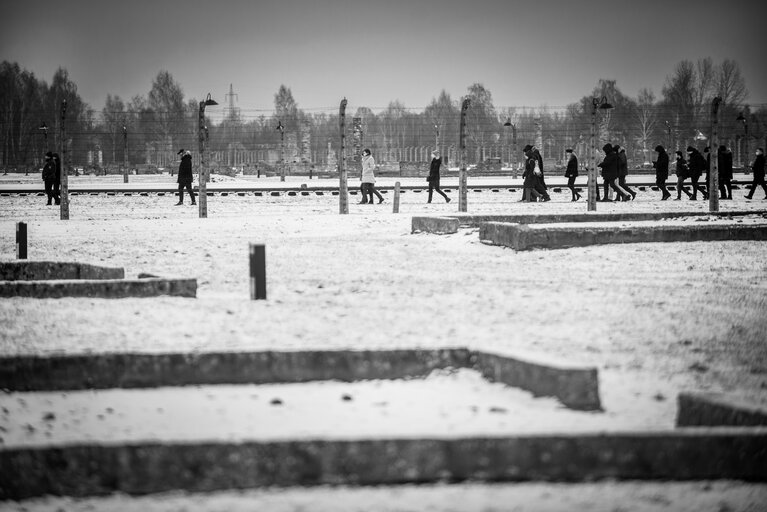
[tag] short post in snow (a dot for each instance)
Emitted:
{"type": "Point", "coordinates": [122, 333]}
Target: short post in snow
{"type": "Point", "coordinates": [257, 272]}
{"type": "Point", "coordinates": [396, 197]}
{"type": "Point", "coordinates": [21, 240]}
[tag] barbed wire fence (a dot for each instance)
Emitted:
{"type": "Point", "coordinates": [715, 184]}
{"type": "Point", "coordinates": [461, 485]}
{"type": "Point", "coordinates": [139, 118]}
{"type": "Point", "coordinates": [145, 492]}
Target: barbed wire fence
{"type": "Point", "coordinates": [247, 140]}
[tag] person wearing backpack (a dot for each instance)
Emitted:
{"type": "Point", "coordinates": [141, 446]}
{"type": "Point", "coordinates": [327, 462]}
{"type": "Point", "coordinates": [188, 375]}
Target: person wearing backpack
{"type": "Point", "coordinates": [696, 168]}
{"type": "Point", "coordinates": [758, 169]}
{"type": "Point", "coordinates": [185, 176]}
{"type": "Point", "coordinates": [623, 170]}
{"type": "Point", "coordinates": [681, 175]}
{"type": "Point", "coordinates": [661, 171]}
{"type": "Point", "coordinates": [49, 176]}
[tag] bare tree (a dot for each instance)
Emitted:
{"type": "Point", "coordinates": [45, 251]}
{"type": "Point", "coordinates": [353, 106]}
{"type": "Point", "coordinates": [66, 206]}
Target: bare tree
{"type": "Point", "coordinates": [730, 85]}
{"type": "Point", "coordinates": [646, 119]}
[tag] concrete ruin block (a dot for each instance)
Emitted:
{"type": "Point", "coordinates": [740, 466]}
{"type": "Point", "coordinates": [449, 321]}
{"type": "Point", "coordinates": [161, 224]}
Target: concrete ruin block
{"type": "Point", "coordinates": [42, 270]}
{"type": "Point", "coordinates": [718, 409]}
{"type": "Point", "coordinates": [436, 225]}
{"type": "Point", "coordinates": [99, 288]}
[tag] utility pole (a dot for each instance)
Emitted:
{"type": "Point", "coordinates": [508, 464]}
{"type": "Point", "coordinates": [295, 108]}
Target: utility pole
{"type": "Point", "coordinates": [596, 104]}
{"type": "Point", "coordinates": [343, 191]}
{"type": "Point", "coordinates": [125, 154]}
{"type": "Point", "coordinates": [64, 193]}
{"type": "Point", "coordinates": [743, 118]}
{"type": "Point", "coordinates": [462, 180]}
{"type": "Point", "coordinates": [281, 129]}
{"type": "Point", "coordinates": [713, 174]}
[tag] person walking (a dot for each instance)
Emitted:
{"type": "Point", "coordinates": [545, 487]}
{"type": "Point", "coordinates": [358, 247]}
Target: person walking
{"type": "Point", "coordinates": [724, 159]}
{"type": "Point", "coordinates": [695, 168]}
{"type": "Point", "coordinates": [433, 178]}
{"type": "Point", "coordinates": [532, 188]}
{"type": "Point", "coordinates": [623, 170]}
{"type": "Point", "coordinates": [758, 169]}
{"type": "Point", "coordinates": [610, 173]}
{"type": "Point", "coordinates": [661, 171]}
{"type": "Point", "coordinates": [571, 173]}
{"type": "Point", "coordinates": [368, 178]}
{"type": "Point", "coordinates": [49, 174]}
{"type": "Point", "coordinates": [185, 176]}
{"type": "Point", "coordinates": [681, 175]}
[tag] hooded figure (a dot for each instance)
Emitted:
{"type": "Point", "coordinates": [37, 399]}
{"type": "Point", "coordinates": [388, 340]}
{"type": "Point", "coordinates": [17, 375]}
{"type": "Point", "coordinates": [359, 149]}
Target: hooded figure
{"type": "Point", "coordinates": [185, 176]}
{"type": "Point", "coordinates": [532, 186]}
{"type": "Point", "coordinates": [724, 159]}
{"type": "Point", "coordinates": [49, 175]}
{"type": "Point", "coordinates": [661, 171]}
{"type": "Point", "coordinates": [696, 167]}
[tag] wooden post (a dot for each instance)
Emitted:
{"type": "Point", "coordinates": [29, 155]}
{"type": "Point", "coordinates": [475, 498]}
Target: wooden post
{"type": "Point", "coordinates": [202, 200]}
{"type": "Point", "coordinates": [64, 190]}
{"type": "Point", "coordinates": [125, 155]}
{"type": "Point", "coordinates": [713, 173]}
{"type": "Point", "coordinates": [462, 181]}
{"type": "Point", "coordinates": [396, 197]}
{"type": "Point", "coordinates": [21, 240]}
{"type": "Point", "coordinates": [257, 272]}
{"type": "Point", "coordinates": [592, 181]}
{"type": "Point", "coordinates": [343, 191]}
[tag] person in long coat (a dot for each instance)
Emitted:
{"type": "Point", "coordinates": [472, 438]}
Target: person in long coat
{"type": "Point", "coordinates": [57, 179]}
{"type": "Point", "coordinates": [623, 170]}
{"type": "Point", "coordinates": [661, 171]}
{"type": "Point", "coordinates": [571, 173]}
{"type": "Point", "coordinates": [724, 159]}
{"type": "Point", "coordinates": [533, 188]}
{"type": "Point", "coordinates": [433, 178]}
{"type": "Point", "coordinates": [682, 173]}
{"type": "Point", "coordinates": [185, 176]}
{"type": "Point", "coordinates": [696, 167]}
{"type": "Point", "coordinates": [368, 178]}
{"type": "Point", "coordinates": [49, 174]}
{"type": "Point", "coordinates": [758, 169]}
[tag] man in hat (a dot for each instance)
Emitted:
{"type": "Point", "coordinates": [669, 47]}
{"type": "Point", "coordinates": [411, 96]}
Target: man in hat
{"type": "Point", "coordinates": [49, 175]}
{"type": "Point", "coordinates": [185, 176]}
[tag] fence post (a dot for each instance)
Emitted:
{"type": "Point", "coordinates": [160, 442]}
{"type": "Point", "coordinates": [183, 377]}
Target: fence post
{"type": "Point", "coordinates": [21, 240]}
{"type": "Point", "coordinates": [396, 197]}
{"type": "Point", "coordinates": [343, 192]}
{"type": "Point", "coordinates": [462, 185]}
{"type": "Point", "coordinates": [257, 272]}
{"type": "Point", "coordinates": [713, 173]}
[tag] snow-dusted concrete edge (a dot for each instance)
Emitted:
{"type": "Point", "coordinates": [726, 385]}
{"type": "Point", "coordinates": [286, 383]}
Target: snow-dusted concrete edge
{"type": "Point", "coordinates": [83, 470]}
{"type": "Point", "coordinates": [521, 237]}
{"type": "Point", "coordinates": [99, 288]}
{"type": "Point", "coordinates": [26, 270]}
{"type": "Point", "coordinates": [577, 387]}
{"type": "Point", "coordinates": [718, 409]}
{"type": "Point", "coordinates": [446, 224]}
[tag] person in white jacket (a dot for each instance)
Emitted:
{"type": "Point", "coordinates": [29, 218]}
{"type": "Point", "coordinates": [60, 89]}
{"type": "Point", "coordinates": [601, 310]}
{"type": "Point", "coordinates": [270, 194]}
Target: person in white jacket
{"type": "Point", "coordinates": [368, 178]}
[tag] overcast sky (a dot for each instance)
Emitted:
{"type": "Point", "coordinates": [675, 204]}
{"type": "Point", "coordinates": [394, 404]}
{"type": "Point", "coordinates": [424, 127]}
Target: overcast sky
{"type": "Point", "coordinates": [531, 53]}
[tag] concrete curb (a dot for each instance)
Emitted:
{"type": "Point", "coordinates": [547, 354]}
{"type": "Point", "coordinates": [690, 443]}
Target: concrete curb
{"type": "Point", "coordinates": [423, 223]}
{"type": "Point", "coordinates": [718, 409]}
{"type": "Point", "coordinates": [22, 270]}
{"type": "Point", "coordinates": [575, 387]}
{"type": "Point", "coordinates": [99, 288]}
{"type": "Point", "coordinates": [83, 470]}
{"type": "Point", "coordinates": [523, 237]}
{"type": "Point", "coordinates": [436, 225]}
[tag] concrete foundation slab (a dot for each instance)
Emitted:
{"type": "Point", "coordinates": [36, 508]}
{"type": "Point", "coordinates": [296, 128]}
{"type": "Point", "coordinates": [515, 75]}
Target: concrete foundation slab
{"type": "Point", "coordinates": [99, 288]}
{"type": "Point", "coordinates": [436, 225]}
{"type": "Point", "coordinates": [22, 270]}
{"type": "Point", "coordinates": [718, 409]}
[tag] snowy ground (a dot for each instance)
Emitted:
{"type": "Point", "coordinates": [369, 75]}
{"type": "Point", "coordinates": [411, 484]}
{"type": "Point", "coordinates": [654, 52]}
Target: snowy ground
{"type": "Point", "coordinates": [656, 319]}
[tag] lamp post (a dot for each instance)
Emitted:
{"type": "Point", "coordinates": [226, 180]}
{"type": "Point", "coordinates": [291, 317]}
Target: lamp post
{"type": "Point", "coordinates": [202, 138]}
{"type": "Point", "coordinates": [668, 132]}
{"type": "Point", "coordinates": [596, 104]}
{"type": "Point", "coordinates": [436, 135]}
{"type": "Point", "coordinates": [744, 119]}
{"type": "Point", "coordinates": [64, 191]}
{"type": "Point", "coordinates": [513, 144]}
{"type": "Point", "coordinates": [281, 129]}
{"type": "Point", "coordinates": [462, 179]}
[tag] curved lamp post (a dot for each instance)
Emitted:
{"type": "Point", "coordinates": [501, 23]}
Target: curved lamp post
{"type": "Point", "coordinates": [202, 138]}
{"type": "Point", "coordinates": [596, 104]}
{"type": "Point", "coordinates": [744, 119]}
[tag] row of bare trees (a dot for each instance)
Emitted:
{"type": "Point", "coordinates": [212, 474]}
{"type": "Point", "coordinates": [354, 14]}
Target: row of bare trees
{"type": "Point", "coordinates": [164, 120]}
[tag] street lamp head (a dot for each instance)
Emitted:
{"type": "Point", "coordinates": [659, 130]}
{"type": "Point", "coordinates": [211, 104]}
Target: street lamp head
{"type": "Point", "coordinates": [210, 102]}
{"type": "Point", "coordinates": [280, 128]}
{"type": "Point", "coordinates": [741, 118]}
{"type": "Point", "coordinates": [508, 122]}
{"type": "Point", "coordinates": [43, 127]}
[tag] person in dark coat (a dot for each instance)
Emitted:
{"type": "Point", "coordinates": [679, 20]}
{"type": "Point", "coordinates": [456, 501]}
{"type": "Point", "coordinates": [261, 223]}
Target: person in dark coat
{"type": "Point", "coordinates": [433, 179]}
{"type": "Point", "coordinates": [571, 173]}
{"type": "Point", "coordinates": [724, 159]}
{"type": "Point", "coordinates": [610, 173]}
{"type": "Point", "coordinates": [758, 169]}
{"type": "Point", "coordinates": [623, 171]}
{"type": "Point", "coordinates": [49, 174]}
{"type": "Point", "coordinates": [532, 186]}
{"type": "Point", "coordinates": [185, 176]}
{"type": "Point", "coordinates": [57, 179]}
{"type": "Point", "coordinates": [696, 167]}
{"type": "Point", "coordinates": [681, 175]}
{"type": "Point", "coordinates": [661, 171]}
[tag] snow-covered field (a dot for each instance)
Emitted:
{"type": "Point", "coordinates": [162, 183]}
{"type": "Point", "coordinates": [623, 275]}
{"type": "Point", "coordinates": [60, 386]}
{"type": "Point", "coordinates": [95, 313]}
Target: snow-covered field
{"type": "Point", "coordinates": [656, 319]}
